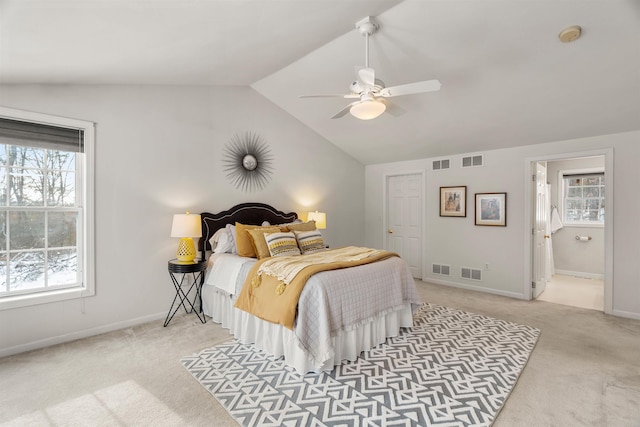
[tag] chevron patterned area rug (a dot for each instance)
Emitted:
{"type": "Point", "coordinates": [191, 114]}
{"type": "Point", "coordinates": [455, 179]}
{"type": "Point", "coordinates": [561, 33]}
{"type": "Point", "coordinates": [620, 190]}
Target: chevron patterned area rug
{"type": "Point", "coordinates": [452, 368]}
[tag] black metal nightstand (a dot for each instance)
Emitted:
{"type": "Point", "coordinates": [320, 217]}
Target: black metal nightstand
{"type": "Point", "coordinates": [196, 269]}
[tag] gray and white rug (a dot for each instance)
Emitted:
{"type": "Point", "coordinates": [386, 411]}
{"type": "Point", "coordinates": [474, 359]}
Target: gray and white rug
{"type": "Point", "coordinates": [452, 368]}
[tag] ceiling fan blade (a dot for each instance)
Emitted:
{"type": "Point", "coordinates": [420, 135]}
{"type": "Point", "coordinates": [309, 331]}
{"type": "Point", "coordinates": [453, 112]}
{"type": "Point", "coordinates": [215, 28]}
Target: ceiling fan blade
{"type": "Point", "coordinates": [366, 77]}
{"type": "Point", "coordinates": [410, 88]}
{"type": "Point", "coordinates": [333, 95]}
{"type": "Point", "coordinates": [344, 111]}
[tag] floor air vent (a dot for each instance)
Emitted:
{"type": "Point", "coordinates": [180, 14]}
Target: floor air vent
{"type": "Point", "coordinates": [444, 270]}
{"type": "Point", "coordinates": [471, 273]}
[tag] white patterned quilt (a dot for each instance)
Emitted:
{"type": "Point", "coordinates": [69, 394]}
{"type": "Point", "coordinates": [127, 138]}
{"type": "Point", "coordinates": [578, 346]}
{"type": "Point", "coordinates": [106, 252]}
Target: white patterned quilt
{"type": "Point", "coordinates": [340, 300]}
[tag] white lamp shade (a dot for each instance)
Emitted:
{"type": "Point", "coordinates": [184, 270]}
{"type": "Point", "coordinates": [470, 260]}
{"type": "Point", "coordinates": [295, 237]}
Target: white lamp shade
{"type": "Point", "coordinates": [367, 110]}
{"type": "Point", "coordinates": [186, 225]}
{"type": "Point", "coordinates": [319, 217]}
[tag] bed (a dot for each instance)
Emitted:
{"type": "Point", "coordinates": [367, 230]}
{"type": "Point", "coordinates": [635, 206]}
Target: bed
{"type": "Point", "coordinates": [340, 313]}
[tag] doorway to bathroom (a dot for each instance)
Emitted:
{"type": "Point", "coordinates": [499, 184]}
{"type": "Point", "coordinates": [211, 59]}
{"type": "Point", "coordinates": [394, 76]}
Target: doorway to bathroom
{"type": "Point", "coordinates": [569, 261]}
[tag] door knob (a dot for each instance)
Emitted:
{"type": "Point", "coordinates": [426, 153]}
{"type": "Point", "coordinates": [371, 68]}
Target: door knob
{"type": "Point", "coordinates": [390, 231]}
{"type": "Point", "coordinates": [547, 237]}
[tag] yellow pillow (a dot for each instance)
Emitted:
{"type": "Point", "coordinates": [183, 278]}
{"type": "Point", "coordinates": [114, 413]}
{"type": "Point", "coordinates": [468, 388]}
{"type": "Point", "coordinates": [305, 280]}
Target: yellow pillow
{"type": "Point", "coordinates": [300, 226]}
{"type": "Point", "coordinates": [244, 242]}
{"type": "Point", "coordinates": [259, 243]}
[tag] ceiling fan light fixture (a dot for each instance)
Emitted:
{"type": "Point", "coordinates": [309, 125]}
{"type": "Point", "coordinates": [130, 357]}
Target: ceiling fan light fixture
{"type": "Point", "coordinates": [371, 90]}
{"type": "Point", "coordinates": [367, 109]}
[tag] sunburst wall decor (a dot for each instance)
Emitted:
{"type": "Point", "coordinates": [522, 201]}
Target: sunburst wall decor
{"type": "Point", "coordinates": [248, 162]}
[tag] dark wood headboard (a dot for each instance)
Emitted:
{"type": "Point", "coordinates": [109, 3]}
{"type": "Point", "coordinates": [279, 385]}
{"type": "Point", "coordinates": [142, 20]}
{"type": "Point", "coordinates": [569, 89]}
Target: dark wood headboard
{"type": "Point", "coordinates": [244, 213]}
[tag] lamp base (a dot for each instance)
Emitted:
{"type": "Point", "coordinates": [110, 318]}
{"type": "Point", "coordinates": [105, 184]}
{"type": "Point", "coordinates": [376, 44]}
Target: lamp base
{"type": "Point", "coordinates": [186, 252]}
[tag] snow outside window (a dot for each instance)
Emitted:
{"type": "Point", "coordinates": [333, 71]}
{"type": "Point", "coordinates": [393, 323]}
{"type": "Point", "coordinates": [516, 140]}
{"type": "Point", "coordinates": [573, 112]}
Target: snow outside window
{"type": "Point", "coordinates": [45, 220]}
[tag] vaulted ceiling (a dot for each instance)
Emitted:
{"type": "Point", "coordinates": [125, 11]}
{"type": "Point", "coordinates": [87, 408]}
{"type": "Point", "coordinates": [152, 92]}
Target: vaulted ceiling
{"type": "Point", "coordinates": [506, 77]}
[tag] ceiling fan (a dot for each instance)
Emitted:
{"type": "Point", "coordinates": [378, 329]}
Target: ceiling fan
{"type": "Point", "coordinates": [370, 91]}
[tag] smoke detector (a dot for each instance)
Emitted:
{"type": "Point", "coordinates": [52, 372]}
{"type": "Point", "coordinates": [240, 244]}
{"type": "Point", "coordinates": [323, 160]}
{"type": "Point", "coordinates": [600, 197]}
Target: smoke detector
{"type": "Point", "coordinates": [570, 34]}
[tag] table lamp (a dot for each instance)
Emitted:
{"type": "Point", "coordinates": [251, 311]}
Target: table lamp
{"type": "Point", "coordinates": [319, 217]}
{"type": "Point", "coordinates": [186, 226]}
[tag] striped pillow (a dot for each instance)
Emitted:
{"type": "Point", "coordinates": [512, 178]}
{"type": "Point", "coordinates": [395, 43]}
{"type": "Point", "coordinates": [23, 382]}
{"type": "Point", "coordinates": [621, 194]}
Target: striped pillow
{"type": "Point", "coordinates": [310, 241]}
{"type": "Point", "coordinates": [282, 244]}
{"type": "Point", "coordinates": [259, 242]}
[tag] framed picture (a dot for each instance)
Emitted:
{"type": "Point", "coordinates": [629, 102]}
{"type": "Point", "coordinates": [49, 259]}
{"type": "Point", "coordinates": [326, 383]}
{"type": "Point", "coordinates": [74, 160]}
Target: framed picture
{"type": "Point", "coordinates": [491, 209]}
{"type": "Point", "coordinates": [453, 201]}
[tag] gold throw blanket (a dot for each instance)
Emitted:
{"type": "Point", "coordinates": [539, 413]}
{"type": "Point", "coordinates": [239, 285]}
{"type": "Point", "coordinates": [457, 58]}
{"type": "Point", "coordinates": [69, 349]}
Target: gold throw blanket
{"type": "Point", "coordinates": [273, 286]}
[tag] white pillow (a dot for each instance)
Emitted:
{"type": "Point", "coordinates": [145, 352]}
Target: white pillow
{"type": "Point", "coordinates": [231, 231]}
{"type": "Point", "coordinates": [225, 245]}
{"type": "Point", "coordinates": [213, 241]}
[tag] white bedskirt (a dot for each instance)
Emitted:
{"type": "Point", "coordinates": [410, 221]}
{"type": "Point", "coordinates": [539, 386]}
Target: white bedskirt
{"type": "Point", "coordinates": [279, 341]}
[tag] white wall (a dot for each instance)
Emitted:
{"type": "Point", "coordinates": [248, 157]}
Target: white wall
{"type": "Point", "coordinates": [457, 242]}
{"type": "Point", "coordinates": [571, 256]}
{"type": "Point", "coordinates": [159, 152]}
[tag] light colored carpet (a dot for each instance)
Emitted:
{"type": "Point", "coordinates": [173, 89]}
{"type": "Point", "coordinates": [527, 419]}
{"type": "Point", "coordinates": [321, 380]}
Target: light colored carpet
{"type": "Point", "coordinates": [584, 371]}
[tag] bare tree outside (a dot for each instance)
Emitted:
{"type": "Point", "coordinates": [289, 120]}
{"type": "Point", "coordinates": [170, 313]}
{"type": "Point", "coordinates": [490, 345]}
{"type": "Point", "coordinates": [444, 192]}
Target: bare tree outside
{"type": "Point", "coordinates": [39, 219]}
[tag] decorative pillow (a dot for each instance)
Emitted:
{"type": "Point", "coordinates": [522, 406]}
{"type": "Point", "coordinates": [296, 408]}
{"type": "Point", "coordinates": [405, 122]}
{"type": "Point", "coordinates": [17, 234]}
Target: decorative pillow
{"type": "Point", "coordinates": [301, 226]}
{"type": "Point", "coordinates": [258, 240]}
{"type": "Point", "coordinates": [310, 241]}
{"type": "Point", "coordinates": [282, 244]}
{"type": "Point", "coordinates": [231, 232]}
{"type": "Point", "coordinates": [225, 245]}
{"type": "Point", "coordinates": [244, 243]}
{"type": "Point", "coordinates": [295, 221]}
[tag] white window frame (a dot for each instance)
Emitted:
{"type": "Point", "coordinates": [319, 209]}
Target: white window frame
{"type": "Point", "coordinates": [561, 192]}
{"type": "Point", "coordinates": [86, 248]}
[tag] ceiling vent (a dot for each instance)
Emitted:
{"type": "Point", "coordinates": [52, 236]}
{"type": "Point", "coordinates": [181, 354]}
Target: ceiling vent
{"type": "Point", "coordinates": [471, 161]}
{"type": "Point", "coordinates": [441, 164]}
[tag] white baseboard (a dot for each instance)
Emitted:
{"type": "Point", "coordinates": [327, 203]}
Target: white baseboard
{"type": "Point", "coordinates": [475, 288]}
{"type": "Point", "coordinates": [34, 345]}
{"type": "Point", "coordinates": [619, 313]}
{"type": "Point", "coordinates": [580, 274]}
{"type": "Point", "coordinates": [627, 314]}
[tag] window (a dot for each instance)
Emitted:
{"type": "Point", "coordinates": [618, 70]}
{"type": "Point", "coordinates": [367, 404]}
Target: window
{"type": "Point", "coordinates": [46, 213]}
{"type": "Point", "coordinates": [583, 198]}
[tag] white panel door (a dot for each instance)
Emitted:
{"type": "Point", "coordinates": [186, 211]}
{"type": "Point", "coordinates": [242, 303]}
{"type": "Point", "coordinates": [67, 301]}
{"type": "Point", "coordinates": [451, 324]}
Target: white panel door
{"type": "Point", "coordinates": [404, 219]}
{"type": "Point", "coordinates": [540, 231]}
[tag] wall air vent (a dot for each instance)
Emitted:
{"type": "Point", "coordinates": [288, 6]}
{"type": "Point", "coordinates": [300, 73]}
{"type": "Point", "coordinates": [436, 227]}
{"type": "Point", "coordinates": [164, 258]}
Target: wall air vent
{"type": "Point", "coordinates": [441, 164]}
{"type": "Point", "coordinates": [471, 161]}
{"type": "Point", "coordinates": [444, 270]}
{"type": "Point", "coordinates": [471, 273]}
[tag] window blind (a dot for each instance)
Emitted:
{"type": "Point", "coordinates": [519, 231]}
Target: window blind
{"type": "Point", "coordinates": [581, 175]}
{"type": "Point", "coordinates": [16, 132]}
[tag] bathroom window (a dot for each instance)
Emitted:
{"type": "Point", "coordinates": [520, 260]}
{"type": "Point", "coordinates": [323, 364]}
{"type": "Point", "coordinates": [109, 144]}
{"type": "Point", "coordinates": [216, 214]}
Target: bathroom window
{"type": "Point", "coordinates": [583, 198]}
